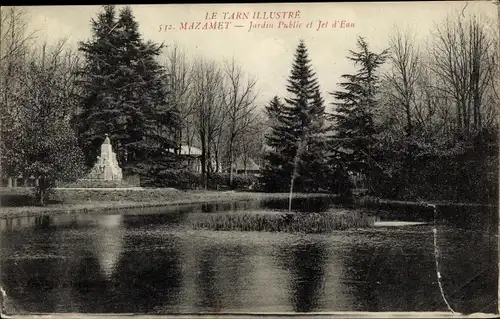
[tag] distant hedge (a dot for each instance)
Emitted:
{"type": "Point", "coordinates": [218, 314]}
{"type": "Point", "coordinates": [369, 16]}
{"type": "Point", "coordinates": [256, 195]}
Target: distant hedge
{"type": "Point", "coordinates": [181, 179]}
{"type": "Point", "coordinates": [184, 179]}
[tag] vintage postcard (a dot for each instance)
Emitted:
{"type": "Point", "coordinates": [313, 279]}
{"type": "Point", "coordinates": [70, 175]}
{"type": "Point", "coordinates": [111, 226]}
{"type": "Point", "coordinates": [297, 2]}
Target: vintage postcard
{"type": "Point", "coordinates": [277, 159]}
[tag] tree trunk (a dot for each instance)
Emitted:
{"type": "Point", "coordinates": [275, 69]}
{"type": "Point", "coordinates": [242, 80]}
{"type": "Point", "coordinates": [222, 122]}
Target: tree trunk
{"type": "Point", "coordinates": [409, 129]}
{"type": "Point", "coordinates": [231, 161]}
{"type": "Point", "coordinates": [203, 162]}
{"type": "Point", "coordinates": [41, 198]}
{"type": "Point", "coordinates": [216, 159]}
{"type": "Point", "coordinates": [210, 168]}
{"type": "Point", "coordinates": [41, 191]}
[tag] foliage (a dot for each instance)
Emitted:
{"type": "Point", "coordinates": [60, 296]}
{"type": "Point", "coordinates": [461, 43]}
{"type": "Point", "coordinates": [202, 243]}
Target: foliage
{"type": "Point", "coordinates": [354, 136]}
{"type": "Point", "coordinates": [124, 94]}
{"type": "Point", "coordinates": [217, 180]}
{"type": "Point", "coordinates": [181, 179]}
{"type": "Point", "coordinates": [51, 154]}
{"type": "Point", "coordinates": [185, 179]}
{"type": "Point", "coordinates": [438, 134]}
{"type": "Point", "coordinates": [15, 45]}
{"type": "Point", "coordinates": [296, 139]}
{"type": "Point", "coordinates": [245, 182]}
{"type": "Point", "coordinates": [426, 129]}
{"type": "Point", "coordinates": [45, 144]}
{"type": "Point", "coordinates": [275, 171]}
{"type": "Point", "coordinates": [467, 172]}
{"type": "Point", "coordinates": [340, 182]}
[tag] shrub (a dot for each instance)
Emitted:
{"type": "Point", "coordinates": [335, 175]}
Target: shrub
{"type": "Point", "coordinates": [245, 182]}
{"type": "Point", "coordinates": [217, 180]}
{"type": "Point", "coordinates": [181, 179]}
{"type": "Point", "coordinates": [465, 177]}
{"type": "Point", "coordinates": [184, 179]}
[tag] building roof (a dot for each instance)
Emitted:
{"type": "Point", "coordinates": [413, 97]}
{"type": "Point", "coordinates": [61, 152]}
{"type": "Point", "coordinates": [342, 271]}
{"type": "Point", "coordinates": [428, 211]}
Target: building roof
{"type": "Point", "coordinates": [239, 165]}
{"type": "Point", "coordinates": [187, 150]}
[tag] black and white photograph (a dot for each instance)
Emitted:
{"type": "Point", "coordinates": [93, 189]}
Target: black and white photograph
{"type": "Point", "coordinates": [250, 160]}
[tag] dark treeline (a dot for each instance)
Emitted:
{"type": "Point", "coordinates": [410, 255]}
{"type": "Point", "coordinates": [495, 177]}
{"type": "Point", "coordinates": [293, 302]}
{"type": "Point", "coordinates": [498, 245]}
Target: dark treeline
{"type": "Point", "coordinates": [409, 122]}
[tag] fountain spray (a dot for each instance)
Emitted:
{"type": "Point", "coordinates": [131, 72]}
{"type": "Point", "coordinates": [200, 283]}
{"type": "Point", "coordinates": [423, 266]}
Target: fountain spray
{"type": "Point", "coordinates": [301, 145]}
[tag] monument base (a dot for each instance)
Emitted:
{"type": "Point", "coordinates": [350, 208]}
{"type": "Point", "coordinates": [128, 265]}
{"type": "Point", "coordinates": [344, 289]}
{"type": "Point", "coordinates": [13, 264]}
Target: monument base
{"type": "Point", "coordinates": [101, 183]}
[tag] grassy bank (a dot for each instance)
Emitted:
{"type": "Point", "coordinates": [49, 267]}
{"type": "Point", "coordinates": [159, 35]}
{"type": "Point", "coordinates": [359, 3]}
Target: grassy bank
{"type": "Point", "coordinates": [17, 201]}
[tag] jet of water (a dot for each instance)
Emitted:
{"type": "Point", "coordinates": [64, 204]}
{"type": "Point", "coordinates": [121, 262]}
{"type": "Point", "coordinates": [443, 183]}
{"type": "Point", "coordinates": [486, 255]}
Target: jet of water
{"type": "Point", "coordinates": [300, 149]}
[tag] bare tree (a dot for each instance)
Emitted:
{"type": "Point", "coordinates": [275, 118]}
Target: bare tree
{"type": "Point", "coordinates": [207, 104]}
{"type": "Point", "coordinates": [179, 70]}
{"type": "Point", "coordinates": [251, 143]}
{"type": "Point", "coordinates": [403, 75]}
{"type": "Point", "coordinates": [63, 64]}
{"type": "Point", "coordinates": [432, 113]}
{"type": "Point", "coordinates": [240, 104]}
{"type": "Point", "coordinates": [218, 145]}
{"type": "Point", "coordinates": [15, 41]}
{"type": "Point", "coordinates": [463, 60]}
{"type": "Point", "coordinates": [14, 35]}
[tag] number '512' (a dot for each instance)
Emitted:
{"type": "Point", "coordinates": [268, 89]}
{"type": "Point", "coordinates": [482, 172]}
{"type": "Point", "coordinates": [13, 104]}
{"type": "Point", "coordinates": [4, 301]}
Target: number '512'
{"type": "Point", "coordinates": [165, 27]}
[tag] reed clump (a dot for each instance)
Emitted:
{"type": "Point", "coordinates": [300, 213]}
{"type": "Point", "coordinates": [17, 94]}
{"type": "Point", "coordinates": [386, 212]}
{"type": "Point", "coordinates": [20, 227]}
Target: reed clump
{"type": "Point", "coordinates": [284, 222]}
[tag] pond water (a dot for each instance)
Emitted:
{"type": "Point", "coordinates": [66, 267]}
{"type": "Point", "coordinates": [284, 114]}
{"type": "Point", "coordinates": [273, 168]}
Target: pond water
{"type": "Point", "coordinates": [152, 261]}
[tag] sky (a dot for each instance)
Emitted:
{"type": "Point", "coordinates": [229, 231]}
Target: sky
{"type": "Point", "coordinates": [267, 53]}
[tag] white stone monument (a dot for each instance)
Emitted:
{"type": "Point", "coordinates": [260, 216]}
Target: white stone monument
{"type": "Point", "coordinates": [106, 167]}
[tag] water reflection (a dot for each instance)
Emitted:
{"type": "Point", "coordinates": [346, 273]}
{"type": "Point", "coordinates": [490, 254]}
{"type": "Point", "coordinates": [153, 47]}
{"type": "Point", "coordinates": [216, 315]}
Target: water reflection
{"type": "Point", "coordinates": [18, 223]}
{"type": "Point", "coordinates": [170, 219]}
{"type": "Point", "coordinates": [473, 290]}
{"type": "Point", "coordinates": [209, 294]}
{"type": "Point", "coordinates": [306, 263]}
{"type": "Point", "coordinates": [37, 271]}
{"type": "Point", "coordinates": [148, 275]}
{"type": "Point", "coordinates": [108, 242]}
{"type": "Point", "coordinates": [216, 278]}
{"type": "Point", "coordinates": [89, 284]}
{"type": "Point", "coordinates": [154, 263]}
{"type": "Point", "coordinates": [392, 274]}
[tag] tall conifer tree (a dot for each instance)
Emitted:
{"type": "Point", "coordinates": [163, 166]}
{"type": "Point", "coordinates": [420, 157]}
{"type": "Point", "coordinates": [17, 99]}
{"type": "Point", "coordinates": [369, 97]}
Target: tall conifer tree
{"type": "Point", "coordinates": [299, 137]}
{"type": "Point", "coordinates": [277, 168]}
{"type": "Point", "coordinates": [355, 130]}
{"type": "Point", "coordinates": [124, 94]}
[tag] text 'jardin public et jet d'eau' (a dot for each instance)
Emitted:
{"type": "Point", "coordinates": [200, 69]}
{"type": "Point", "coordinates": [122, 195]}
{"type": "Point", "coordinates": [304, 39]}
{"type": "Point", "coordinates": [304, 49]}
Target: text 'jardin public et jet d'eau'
{"type": "Point", "coordinates": [256, 20]}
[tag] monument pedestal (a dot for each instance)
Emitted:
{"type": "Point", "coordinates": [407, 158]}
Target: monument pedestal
{"type": "Point", "coordinates": [106, 168]}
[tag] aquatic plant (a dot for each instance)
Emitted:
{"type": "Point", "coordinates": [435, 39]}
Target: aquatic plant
{"type": "Point", "coordinates": [284, 222]}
